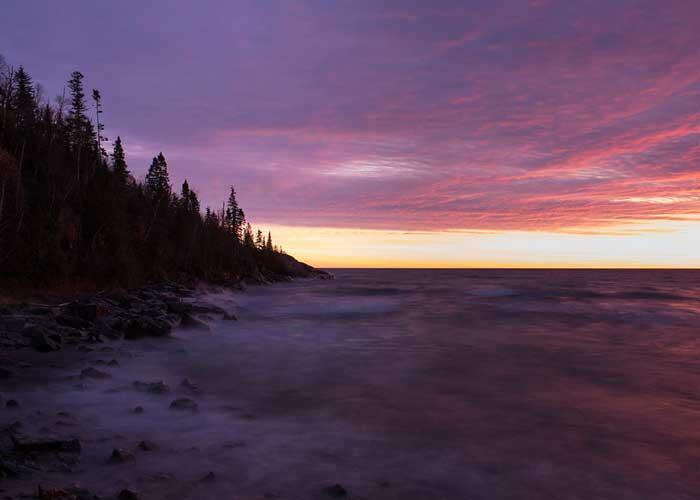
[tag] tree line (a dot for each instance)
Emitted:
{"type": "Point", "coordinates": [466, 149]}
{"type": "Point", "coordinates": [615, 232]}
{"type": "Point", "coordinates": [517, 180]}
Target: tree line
{"type": "Point", "coordinates": [70, 212]}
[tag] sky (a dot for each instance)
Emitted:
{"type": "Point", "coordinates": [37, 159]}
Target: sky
{"type": "Point", "coordinates": [391, 133]}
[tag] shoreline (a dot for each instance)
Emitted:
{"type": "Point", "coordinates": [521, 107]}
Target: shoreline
{"type": "Point", "coordinates": [92, 337]}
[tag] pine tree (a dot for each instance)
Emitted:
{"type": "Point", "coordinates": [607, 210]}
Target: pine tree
{"type": "Point", "coordinates": [24, 101]}
{"type": "Point", "coordinates": [259, 240]}
{"type": "Point", "coordinates": [248, 236]}
{"type": "Point", "coordinates": [77, 118]}
{"type": "Point", "coordinates": [233, 216]}
{"type": "Point", "coordinates": [194, 202]}
{"type": "Point", "coordinates": [185, 196]}
{"type": "Point", "coordinates": [268, 245]}
{"type": "Point", "coordinates": [100, 127]}
{"type": "Point", "coordinates": [119, 162]}
{"type": "Point", "coordinates": [157, 178]}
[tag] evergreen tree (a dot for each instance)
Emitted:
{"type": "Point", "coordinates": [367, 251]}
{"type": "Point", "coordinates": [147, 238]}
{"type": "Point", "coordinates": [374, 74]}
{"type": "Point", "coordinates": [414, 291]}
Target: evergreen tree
{"type": "Point", "coordinates": [157, 178]}
{"type": "Point", "coordinates": [24, 101]}
{"type": "Point", "coordinates": [77, 118]}
{"type": "Point", "coordinates": [185, 196]}
{"type": "Point", "coordinates": [100, 126]}
{"type": "Point", "coordinates": [194, 202]}
{"type": "Point", "coordinates": [259, 240]}
{"type": "Point", "coordinates": [268, 245]}
{"type": "Point", "coordinates": [248, 236]}
{"type": "Point", "coordinates": [119, 162]}
{"type": "Point", "coordinates": [232, 217]}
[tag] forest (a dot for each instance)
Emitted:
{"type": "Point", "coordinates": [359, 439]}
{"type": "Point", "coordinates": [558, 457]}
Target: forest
{"type": "Point", "coordinates": [72, 214]}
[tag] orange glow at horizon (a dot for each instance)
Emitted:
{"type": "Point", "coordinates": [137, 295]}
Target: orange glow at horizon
{"type": "Point", "coordinates": [661, 244]}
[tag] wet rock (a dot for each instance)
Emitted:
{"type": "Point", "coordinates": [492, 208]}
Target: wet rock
{"type": "Point", "coordinates": [48, 445]}
{"type": "Point", "coordinates": [84, 348]}
{"type": "Point", "coordinates": [335, 491]}
{"type": "Point", "coordinates": [138, 410]}
{"type": "Point", "coordinates": [94, 373]}
{"type": "Point", "coordinates": [14, 428]}
{"type": "Point", "coordinates": [128, 495]}
{"type": "Point", "coordinates": [72, 321]}
{"type": "Point", "coordinates": [192, 323]}
{"type": "Point", "coordinates": [141, 326]}
{"type": "Point", "coordinates": [113, 362]}
{"type": "Point", "coordinates": [72, 493]}
{"type": "Point", "coordinates": [209, 477]}
{"type": "Point", "coordinates": [88, 311]}
{"type": "Point", "coordinates": [159, 387]}
{"type": "Point", "coordinates": [187, 386]}
{"type": "Point", "coordinates": [43, 339]}
{"type": "Point", "coordinates": [11, 404]}
{"type": "Point", "coordinates": [184, 404]}
{"type": "Point", "coordinates": [147, 445]}
{"type": "Point", "coordinates": [228, 316]}
{"type": "Point", "coordinates": [120, 456]}
{"type": "Point", "coordinates": [5, 373]}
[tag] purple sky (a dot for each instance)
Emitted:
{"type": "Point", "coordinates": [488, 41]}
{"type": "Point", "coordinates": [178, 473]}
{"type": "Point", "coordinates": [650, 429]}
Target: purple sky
{"type": "Point", "coordinates": [537, 115]}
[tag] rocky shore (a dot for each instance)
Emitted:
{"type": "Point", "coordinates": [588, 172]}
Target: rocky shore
{"type": "Point", "coordinates": [43, 447]}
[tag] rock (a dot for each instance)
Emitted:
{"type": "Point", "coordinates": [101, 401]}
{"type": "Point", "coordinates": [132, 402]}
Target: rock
{"type": "Point", "coordinates": [184, 404]}
{"type": "Point", "coordinates": [189, 321]}
{"type": "Point", "coordinates": [11, 403]}
{"type": "Point", "coordinates": [146, 445]}
{"type": "Point", "coordinates": [209, 477]}
{"type": "Point", "coordinates": [128, 495]}
{"type": "Point", "coordinates": [141, 326]}
{"type": "Point", "coordinates": [188, 386]}
{"type": "Point", "coordinates": [159, 387]}
{"type": "Point", "coordinates": [50, 445]}
{"type": "Point", "coordinates": [94, 373]}
{"type": "Point", "coordinates": [89, 311]}
{"type": "Point", "coordinates": [229, 316]}
{"type": "Point", "coordinates": [137, 410]}
{"type": "Point", "coordinates": [84, 348]}
{"type": "Point", "coordinates": [5, 373]}
{"type": "Point", "coordinates": [113, 362]}
{"type": "Point", "coordinates": [203, 307]}
{"type": "Point", "coordinates": [120, 456]}
{"type": "Point", "coordinates": [42, 339]}
{"type": "Point", "coordinates": [14, 428]}
{"type": "Point", "coordinates": [67, 319]}
{"type": "Point", "coordinates": [335, 491]}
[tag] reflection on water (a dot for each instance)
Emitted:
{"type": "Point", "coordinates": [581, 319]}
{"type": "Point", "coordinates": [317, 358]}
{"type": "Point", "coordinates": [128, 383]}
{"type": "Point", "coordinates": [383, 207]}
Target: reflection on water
{"type": "Point", "coordinates": [428, 384]}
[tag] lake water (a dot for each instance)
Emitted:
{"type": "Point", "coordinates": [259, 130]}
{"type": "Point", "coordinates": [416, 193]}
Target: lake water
{"type": "Point", "coordinates": [420, 384]}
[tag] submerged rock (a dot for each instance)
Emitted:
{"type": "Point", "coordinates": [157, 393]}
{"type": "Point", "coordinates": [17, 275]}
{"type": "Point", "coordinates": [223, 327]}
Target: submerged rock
{"type": "Point", "coordinates": [49, 445]}
{"type": "Point", "coordinates": [147, 445]}
{"type": "Point", "coordinates": [137, 410]}
{"type": "Point", "coordinates": [94, 373]}
{"type": "Point", "coordinates": [209, 477]}
{"type": "Point", "coordinates": [184, 404]}
{"type": "Point", "coordinates": [120, 456]}
{"type": "Point", "coordinates": [187, 386]}
{"type": "Point", "coordinates": [11, 403]}
{"type": "Point", "coordinates": [126, 494]}
{"type": "Point", "coordinates": [335, 491]}
{"type": "Point", "coordinates": [159, 387]}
